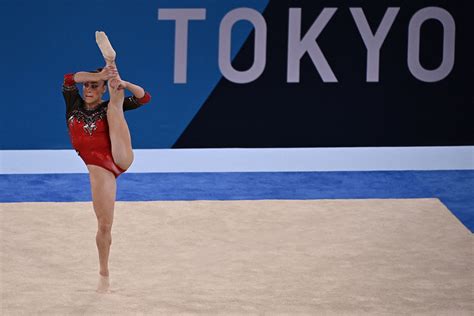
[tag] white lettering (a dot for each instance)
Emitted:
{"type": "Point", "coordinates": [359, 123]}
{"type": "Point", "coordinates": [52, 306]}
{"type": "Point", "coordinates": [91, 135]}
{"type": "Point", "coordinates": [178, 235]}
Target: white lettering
{"type": "Point", "coordinates": [297, 47]}
{"type": "Point", "coordinates": [260, 44]}
{"type": "Point", "coordinates": [182, 17]}
{"type": "Point", "coordinates": [372, 42]}
{"type": "Point", "coordinates": [447, 63]}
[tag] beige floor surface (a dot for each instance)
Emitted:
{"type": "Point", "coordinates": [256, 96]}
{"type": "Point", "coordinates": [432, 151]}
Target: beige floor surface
{"type": "Point", "coordinates": [265, 257]}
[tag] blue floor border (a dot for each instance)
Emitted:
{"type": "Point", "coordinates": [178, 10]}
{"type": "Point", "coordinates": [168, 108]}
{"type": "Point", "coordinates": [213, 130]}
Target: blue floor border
{"type": "Point", "coordinates": [455, 188]}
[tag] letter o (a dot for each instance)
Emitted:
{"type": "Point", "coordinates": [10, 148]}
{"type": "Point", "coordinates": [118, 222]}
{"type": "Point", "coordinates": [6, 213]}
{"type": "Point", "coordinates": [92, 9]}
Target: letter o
{"type": "Point", "coordinates": [414, 27]}
{"type": "Point", "coordinates": [225, 34]}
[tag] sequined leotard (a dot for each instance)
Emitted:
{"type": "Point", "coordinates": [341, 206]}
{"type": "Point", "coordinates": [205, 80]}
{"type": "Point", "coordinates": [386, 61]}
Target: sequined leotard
{"type": "Point", "coordinates": [89, 130]}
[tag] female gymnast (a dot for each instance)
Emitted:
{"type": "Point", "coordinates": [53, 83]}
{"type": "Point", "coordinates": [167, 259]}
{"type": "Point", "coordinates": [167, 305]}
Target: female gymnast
{"type": "Point", "coordinates": [99, 133]}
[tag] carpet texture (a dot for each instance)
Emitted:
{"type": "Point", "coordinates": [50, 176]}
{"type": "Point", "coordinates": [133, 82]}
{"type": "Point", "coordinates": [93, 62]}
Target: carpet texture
{"type": "Point", "coordinates": [273, 257]}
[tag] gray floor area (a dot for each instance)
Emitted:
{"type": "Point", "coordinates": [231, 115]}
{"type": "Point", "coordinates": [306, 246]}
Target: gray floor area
{"type": "Point", "coordinates": [259, 257]}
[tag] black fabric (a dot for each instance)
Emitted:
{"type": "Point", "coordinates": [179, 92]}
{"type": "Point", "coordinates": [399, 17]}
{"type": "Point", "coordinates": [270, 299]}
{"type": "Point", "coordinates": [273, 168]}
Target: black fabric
{"type": "Point", "coordinates": [399, 110]}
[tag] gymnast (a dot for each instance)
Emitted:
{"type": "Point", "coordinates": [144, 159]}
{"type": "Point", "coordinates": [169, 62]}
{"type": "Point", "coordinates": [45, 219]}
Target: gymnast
{"type": "Point", "coordinates": [99, 133]}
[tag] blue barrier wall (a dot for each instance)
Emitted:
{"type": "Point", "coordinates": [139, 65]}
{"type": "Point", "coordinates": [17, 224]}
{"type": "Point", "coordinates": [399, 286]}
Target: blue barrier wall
{"type": "Point", "coordinates": [43, 40]}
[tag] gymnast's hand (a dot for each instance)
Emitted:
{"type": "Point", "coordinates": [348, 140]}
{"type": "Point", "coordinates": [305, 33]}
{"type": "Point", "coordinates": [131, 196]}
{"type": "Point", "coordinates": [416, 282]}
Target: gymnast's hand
{"type": "Point", "coordinates": [117, 93]}
{"type": "Point", "coordinates": [119, 84]}
{"type": "Point", "coordinates": [108, 72]}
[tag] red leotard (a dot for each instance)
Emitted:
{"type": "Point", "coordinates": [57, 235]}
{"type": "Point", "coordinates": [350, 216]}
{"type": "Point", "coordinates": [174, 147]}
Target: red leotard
{"type": "Point", "coordinates": [89, 130]}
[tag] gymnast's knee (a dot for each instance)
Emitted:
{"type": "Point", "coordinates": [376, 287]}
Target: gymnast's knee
{"type": "Point", "coordinates": [126, 162]}
{"type": "Point", "coordinates": [104, 227]}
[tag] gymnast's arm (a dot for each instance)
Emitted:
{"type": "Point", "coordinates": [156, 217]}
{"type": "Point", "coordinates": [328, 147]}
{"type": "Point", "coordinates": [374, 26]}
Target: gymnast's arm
{"type": "Point", "coordinates": [136, 90]}
{"type": "Point", "coordinates": [106, 73]}
{"type": "Point", "coordinates": [139, 98]}
{"type": "Point", "coordinates": [71, 95]}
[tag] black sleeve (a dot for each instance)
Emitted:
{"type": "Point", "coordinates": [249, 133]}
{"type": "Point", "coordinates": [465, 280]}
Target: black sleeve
{"type": "Point", "coordinates": [132, 103]}
{"type": "Point", "coordinates": [71, 95]}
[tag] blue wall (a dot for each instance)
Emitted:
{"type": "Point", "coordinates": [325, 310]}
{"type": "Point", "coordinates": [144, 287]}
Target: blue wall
{"type": "Point", "coordinates": [42, 40]}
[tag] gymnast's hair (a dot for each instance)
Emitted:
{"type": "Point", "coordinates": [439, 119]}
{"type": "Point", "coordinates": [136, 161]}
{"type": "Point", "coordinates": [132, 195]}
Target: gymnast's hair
{"type": "Point", "coordinates": [97, 71]}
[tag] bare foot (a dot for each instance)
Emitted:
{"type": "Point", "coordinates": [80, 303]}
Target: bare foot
{"type": "Point", "coordinates": [103, 285]}
{"type": "Point", "coordinates": [105, 47]}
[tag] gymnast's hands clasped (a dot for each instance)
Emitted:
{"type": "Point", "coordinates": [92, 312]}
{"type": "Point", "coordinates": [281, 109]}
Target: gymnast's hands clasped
{"type": "Point", "coordinates": [116, 82]}
{"type": "Point", "coordinates": [108, 72]}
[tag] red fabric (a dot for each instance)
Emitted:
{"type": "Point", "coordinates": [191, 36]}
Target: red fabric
{"type": "Point", "coordinates": [69, 79]}
{"type": "Point", "coordinates": [95, 148]}
{"type": "Point", "coordinates": [145, 99]}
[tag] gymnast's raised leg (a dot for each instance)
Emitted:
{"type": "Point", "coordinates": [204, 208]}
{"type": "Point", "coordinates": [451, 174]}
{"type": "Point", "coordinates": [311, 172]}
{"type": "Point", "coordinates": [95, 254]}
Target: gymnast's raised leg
{"type": "Point", "coordinates": [118, 129]}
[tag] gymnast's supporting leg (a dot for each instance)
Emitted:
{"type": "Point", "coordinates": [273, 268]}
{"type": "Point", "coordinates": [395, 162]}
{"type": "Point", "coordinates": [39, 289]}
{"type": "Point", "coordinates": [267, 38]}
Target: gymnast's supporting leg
{"type": "Point", "coordinates": [103, 187]}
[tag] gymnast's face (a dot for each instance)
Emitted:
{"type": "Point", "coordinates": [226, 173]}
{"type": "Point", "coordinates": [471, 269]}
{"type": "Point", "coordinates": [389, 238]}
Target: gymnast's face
{"type": "Point", "coordinates": [93, 91]}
